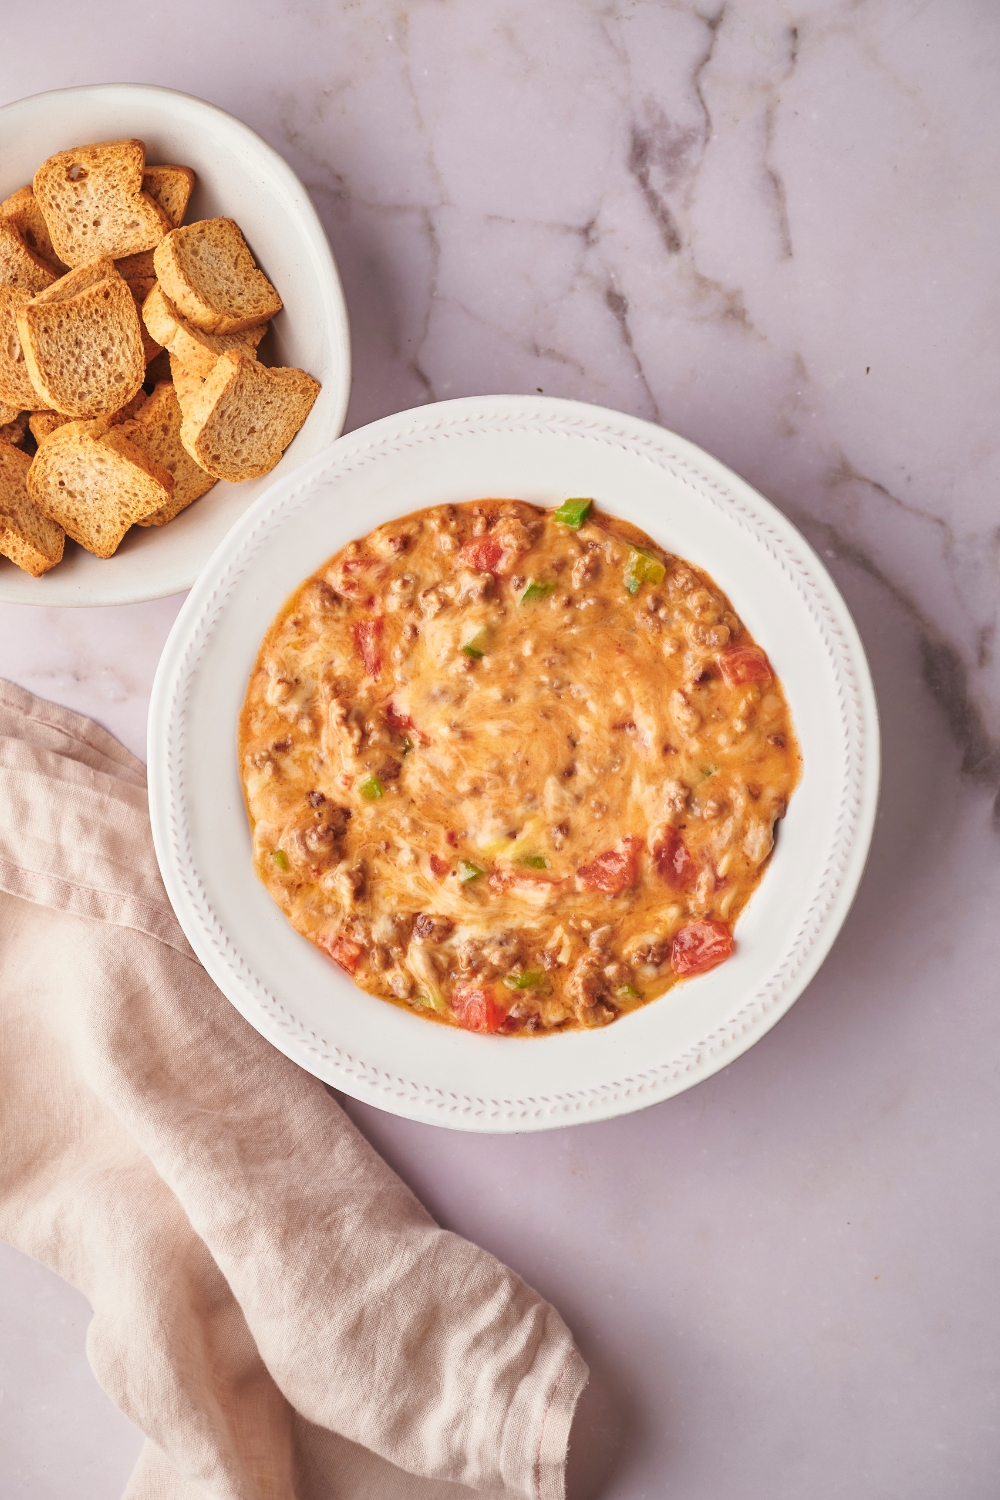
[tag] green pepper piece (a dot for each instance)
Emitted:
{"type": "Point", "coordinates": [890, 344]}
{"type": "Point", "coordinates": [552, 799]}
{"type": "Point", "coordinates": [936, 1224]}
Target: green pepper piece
{"type": "Point", "coordinates": [573, 513]}
{"type": "Point", "coordinates": [534, 861]}
{"type": "Point", "coordinates": [629, 991]}
{"type": "Point", "coordinates": [468, 871]}
{"type": "Point", "coordinates": [477, 644]}
{"type": "Point", "coordinates": [280, 859]}
{"type": "Point", "coordinates": [524, 981]}
{"type": "Point", "coordinates": [536, 590]}
{"type": "Point", "coordinates": [642, 567]}
{"type": "Point", "coordinates": [371, 788]}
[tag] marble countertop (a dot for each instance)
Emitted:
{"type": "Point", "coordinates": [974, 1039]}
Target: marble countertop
{"type": "Point", "coordinates": [772, 228]}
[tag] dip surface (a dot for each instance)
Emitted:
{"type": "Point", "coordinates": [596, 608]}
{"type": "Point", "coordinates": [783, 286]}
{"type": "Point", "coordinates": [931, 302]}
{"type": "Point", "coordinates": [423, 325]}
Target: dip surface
{"type": "Point", "coordinates": [516, 772]}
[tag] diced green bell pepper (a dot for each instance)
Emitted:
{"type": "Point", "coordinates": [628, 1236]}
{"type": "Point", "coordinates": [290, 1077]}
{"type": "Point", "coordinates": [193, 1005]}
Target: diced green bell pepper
{"type": "Point", "coordinates": [642, 567]}
{"type": "Point", "coordinates": [573, 513]}
{"type": "Point", "coordinates": [371, 788]}
{"type": "Point", "coordinates": [524, 981]}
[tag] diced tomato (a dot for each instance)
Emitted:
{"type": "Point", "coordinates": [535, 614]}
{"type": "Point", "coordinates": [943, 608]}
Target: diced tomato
{"type": "Point", "coordinates": [614, 871]}
{"type": "Point", "coordinates": [452, 838]}
{"type": "Point", "coordinates": [476, 1007]}
{"type": "Point", "coordinates": [439, 866]}
{"type": "Point", "coordinates": [395, 719]}
{"type": "Point", "coordinates": [343, 952]}
{"type": "Point", "coordinates": [744, 664]}
{"type": "Point", "coordinates": [700, 946]}
{"type": "Point", "coordinates": [673, 862]}
{"type": "Point", "coordinates": [367, 638]}
{"type": "Point", "coordinates": [485, 554]}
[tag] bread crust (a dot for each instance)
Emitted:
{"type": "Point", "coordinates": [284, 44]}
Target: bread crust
{"type": "Point", "coordinates": [92, 200]}
{"type": "Point", "coordinates": [211, 277]}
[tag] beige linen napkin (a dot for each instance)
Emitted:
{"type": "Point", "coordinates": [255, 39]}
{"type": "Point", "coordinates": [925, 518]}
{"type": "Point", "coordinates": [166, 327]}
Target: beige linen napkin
{"type": "Point", "coordinates": [272, 1306]}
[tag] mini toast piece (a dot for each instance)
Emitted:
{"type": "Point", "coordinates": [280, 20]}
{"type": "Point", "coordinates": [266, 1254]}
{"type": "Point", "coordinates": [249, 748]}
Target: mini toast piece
{"type": "Point", "coordinates": [20, 267]}
{"type": "Point", "coordinates": [245, 415]}
{"type": "Point", "coordinates": [16, 388]}
{"type": "Point", "coordinates": [137, 268]}
{"type": "Point", "coordinates": [90, 479]}
{"type": "Point", "coordinates": [82, 342]}
{"type": "Point", "coordinates": [187, 385]}
{"type": "Point", "coordinates": [93, 202]}
{"type": "Point", "coordinates": [15, 432]}
{"type": "Point", "coordinates": [195, 350]}
{"type": "Point", "coordinates": [170, 187]}
{"type": "Point", "coordinates": [157, 431]}
{"type": "Point", "coordinates": [22, 210]}
{"type": "Point", "coordinates": [27, 536]}
{"type": "Point", "coordinates": [208, 273]}
{"type": "Point", "coordinates": [44, 423]}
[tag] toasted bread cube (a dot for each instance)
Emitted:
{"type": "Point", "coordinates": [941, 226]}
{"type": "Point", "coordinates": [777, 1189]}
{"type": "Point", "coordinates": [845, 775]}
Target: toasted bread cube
{"type": "Point", "coordinates": [20, 267]}
{"type": "Point", "coordinates": [21, 209]}
{"type": "Point", "coordinates": [27, 536]}
{"type": "Point", "coordinates": [93, 202]}
{"type": "Point", "coordinates": [156, 430]}
{"type": "Point", "coordinates": [82, 342]}
{"type": "Point", "coordinates": [245, 415]}
{"type": "Point", "coordinates": [197, 351]}
{"type": "Point", "coordinates": [90, 479]}
{"type": "Point", "coordinates": [208, 273]}
{"type": "Point", "coordinates": [170, 187]}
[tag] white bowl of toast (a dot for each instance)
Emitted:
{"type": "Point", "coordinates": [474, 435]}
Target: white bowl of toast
{"type": "Point", "coordinates": [211, 276]}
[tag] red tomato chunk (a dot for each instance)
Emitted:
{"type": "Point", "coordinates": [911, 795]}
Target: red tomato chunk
{"type": "Point", "coordinates": [475, 1006]}
{"type": "Point", "coordinates": [485, 555]}
{"type": "Point", "coordinates": [344, 952]}
{"type": "Point", "coordinates": [744, 664]}
{"type": "Point", "coordinates": [673, 861]}
{"type": "Point", "coordinates": [700, 946]}
{"type": "Point", "coordinates": [439, 866]}
{"type": "Point", "coordinates": [612, 872]}
{"type": "Point", "coordinates": [367, 636]}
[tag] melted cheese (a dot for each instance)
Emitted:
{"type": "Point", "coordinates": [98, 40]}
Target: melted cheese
{"type": "Point", "coordinates": [495, 784]}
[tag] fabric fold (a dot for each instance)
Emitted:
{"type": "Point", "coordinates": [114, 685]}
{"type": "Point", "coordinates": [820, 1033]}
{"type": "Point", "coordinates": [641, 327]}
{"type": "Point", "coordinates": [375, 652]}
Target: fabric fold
{"type": "Point", "coordinates": [272, 1305]}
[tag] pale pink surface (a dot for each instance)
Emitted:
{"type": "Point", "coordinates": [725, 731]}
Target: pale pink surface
{"type": "Point", "coordinates": [782, 246]}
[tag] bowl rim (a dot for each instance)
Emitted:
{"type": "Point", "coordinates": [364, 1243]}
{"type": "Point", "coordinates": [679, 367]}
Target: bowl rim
{"type": "Point", "coordinates": [274, 1016]}
{"type": "Point", "coordinates": [311, 227]}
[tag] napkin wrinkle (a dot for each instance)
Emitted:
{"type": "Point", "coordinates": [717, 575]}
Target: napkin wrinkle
{"type": "Point", "coordinates": [272, 1305]}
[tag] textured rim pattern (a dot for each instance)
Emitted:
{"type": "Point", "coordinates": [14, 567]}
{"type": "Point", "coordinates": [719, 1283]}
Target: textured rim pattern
{"type": "Point", "coordinates": [353, 1073]}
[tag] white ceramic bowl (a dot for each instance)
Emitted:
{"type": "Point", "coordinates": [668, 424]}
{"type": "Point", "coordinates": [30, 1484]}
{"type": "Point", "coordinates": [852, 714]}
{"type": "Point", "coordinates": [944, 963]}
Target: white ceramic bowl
{"type": "Point", "coordinates": [241, 177]}
{"type": "Point", "coordinates": [540, 450]}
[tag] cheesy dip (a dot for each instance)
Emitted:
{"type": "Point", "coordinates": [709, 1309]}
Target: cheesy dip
{"type": "Point", "coordinates": [516, 769]}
